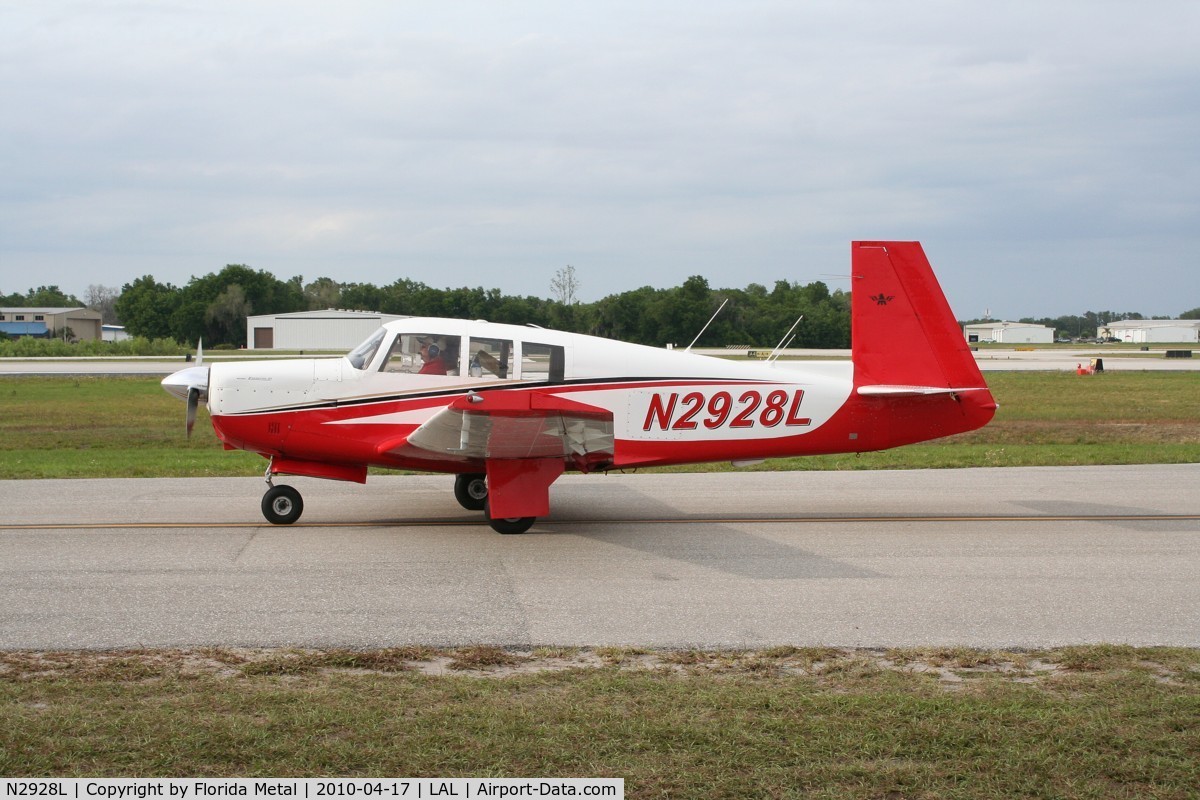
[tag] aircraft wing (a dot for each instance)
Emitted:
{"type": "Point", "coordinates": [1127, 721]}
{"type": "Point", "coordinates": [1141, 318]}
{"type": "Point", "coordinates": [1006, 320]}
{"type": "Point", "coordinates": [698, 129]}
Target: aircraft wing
{"type": "Point", "coordinates": [516, 424]}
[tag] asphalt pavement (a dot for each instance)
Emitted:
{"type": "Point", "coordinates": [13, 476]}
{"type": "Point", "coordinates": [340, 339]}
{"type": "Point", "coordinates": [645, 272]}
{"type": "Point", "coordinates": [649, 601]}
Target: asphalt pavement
{"type": "Point", "coordinates": [1014, 557]}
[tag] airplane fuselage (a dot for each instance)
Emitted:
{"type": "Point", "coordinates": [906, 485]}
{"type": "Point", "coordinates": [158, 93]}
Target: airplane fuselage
{"type": "Point", "coordinates": [665, 406]}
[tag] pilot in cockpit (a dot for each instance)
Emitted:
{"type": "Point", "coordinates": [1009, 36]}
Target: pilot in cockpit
{"type": "Point", "coordinates": [433, 353]}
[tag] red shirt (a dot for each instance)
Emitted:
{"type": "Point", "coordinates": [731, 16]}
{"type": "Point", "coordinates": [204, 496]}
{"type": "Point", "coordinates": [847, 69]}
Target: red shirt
{"type": "Point", "coordinates": [435, 366]}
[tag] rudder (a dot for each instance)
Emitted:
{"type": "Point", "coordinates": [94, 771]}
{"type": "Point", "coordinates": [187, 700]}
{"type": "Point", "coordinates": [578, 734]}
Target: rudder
{"type": "Point", "coordinates": [903, 332]}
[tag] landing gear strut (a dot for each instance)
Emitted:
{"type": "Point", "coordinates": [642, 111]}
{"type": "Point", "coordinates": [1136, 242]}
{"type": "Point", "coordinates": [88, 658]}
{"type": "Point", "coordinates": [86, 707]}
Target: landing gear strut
{"type": "Point", "coordinates": [471, 492]}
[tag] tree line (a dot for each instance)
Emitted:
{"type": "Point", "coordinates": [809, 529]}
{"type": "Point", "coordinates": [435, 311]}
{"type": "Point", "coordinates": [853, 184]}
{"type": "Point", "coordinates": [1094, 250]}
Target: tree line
{"type": "Point", "coordinates": [214, 307]}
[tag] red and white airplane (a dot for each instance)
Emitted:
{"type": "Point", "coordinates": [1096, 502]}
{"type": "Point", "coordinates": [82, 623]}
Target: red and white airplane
{"type": "Point", "coordinates": [508, 408]}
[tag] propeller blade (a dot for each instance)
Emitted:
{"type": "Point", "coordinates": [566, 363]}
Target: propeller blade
{"type": "Point", "coordinates": [193, 399]}
{"type": "Point", "coordinates": [199, 352]}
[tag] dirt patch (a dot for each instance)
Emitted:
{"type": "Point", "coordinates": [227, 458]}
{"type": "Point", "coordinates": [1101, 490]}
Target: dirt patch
{"type": "Point", "coordinates": [950, 667]}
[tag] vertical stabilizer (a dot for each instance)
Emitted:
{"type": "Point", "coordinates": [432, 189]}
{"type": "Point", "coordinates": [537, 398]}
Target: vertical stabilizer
{"type": "Point", "coordinates": [903, 332]}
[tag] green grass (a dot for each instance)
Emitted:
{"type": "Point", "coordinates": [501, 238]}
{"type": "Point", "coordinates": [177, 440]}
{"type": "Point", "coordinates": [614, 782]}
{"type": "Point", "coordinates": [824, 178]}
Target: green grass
{"type": "Point", "coordinates": [128, 427]}
{"type": "Point", "coordinates": [1103, 722]}
{"type": "Point", "coordinates": [94, 427]}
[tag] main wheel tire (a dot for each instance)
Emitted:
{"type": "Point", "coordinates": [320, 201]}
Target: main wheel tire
{"type": "Point", "coordinates": [282, 505]}
{"type": "Point", "coordinates": [513, 525]}
{"type": "Point", "coordinates": [509, 525]}
{"type": "Point", "coordinates": [470, 490]}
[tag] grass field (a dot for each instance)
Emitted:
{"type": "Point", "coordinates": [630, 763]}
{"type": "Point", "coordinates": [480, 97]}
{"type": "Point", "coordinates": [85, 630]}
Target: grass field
{"type": "Point", "coordinates": [128, 427]}
{"type": "Point", "coordinates": [1087, 722]}
{"type": "Point", "coordinates": [1099, 721]}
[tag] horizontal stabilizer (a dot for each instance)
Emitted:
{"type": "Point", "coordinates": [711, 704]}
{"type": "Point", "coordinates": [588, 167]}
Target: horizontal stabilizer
{"type": "Point", "coordinates": [881, 390]}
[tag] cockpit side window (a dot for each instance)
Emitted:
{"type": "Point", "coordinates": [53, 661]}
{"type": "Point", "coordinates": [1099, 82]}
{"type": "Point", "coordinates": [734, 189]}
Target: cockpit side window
{"type": "Point", "coordinates": [422, 354]}
{"type": "Point", "coordinates": [360, 357]}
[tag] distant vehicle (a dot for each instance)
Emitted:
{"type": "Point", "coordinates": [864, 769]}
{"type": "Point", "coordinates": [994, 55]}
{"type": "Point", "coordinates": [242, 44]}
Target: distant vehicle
{"type": "Point", "coordinates": [508, 409]}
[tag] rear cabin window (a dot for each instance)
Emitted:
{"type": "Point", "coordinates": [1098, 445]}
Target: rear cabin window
{"type": "Point", "coordinates": [542, 362]}
{"type": "Point", "coordinates": [490, 358]}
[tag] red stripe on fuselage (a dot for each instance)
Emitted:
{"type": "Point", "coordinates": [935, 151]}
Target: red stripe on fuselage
{"type": "Point", "coordinates": [342, 432]}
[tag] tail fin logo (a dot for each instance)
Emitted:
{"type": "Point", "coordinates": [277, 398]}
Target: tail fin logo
{"type": "Point", "coordinates": [883, 299]}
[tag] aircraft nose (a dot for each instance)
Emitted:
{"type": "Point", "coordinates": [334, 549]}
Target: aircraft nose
{"type": "Point", "coordinates": [183, 381]}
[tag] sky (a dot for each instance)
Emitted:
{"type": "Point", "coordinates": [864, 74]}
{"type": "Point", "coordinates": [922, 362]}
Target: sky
{"type": "Point", "coordinates": [1046, 154]}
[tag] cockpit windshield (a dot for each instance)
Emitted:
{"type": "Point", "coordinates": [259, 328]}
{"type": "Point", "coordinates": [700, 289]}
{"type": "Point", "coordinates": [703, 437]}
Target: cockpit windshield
{"type": "Point", "coordinates": [361, 356]}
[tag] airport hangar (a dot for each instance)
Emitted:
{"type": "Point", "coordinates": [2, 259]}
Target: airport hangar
{"type": "Point", "coordinates": [43, 323]}
{"type": "Point", "coordinates": [1144, 331]}
{"type": "Point", "coordinates": [1009, 333]}
{"type": "Point", "coordinates": [331, 329]}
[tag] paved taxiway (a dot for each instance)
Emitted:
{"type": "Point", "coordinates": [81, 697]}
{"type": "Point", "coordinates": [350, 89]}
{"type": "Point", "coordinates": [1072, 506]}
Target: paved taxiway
{"type": "Point", "coordinates": [982, 557]}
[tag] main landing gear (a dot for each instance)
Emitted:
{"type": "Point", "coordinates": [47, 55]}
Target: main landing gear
{"type": "Point", "coordinates": [509, 525]}
{"type": "Point", "coordinates": [471, 491]}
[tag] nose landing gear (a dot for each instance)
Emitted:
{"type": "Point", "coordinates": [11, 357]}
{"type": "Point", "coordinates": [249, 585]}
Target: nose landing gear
{"type": "Point", "coordinates": [281, 505]}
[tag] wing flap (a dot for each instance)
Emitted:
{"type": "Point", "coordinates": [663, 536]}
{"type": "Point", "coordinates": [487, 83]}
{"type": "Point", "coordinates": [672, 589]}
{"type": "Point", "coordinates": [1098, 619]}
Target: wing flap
{"type": "Point", "coordinates": [509, 424]}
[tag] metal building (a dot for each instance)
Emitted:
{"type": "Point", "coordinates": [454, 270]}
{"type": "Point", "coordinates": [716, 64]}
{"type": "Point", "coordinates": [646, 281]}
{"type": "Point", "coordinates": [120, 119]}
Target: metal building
{"type": "Point", "coordinates": [1009, 333]}
{"type": "Point", "coordinates": [83, 323]}
{"type": "Point", "coordinates": [114, 333]}
{"type": "Point", "coordinates": [331, 329]}
{"type": "Point", "coordinates": [1142, 331]}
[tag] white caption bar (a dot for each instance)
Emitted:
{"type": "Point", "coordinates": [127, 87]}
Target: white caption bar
{"type": "Point", "coordinates": [208, 788]}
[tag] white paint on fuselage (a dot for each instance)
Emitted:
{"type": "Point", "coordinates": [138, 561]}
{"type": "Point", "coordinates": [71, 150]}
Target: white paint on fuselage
{"type": "Point", "coordinates": [263, 386]}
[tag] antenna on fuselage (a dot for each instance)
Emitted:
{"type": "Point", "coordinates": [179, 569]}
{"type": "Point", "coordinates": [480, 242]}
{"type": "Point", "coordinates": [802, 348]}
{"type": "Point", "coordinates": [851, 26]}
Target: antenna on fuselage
{"type": "Point", "coordinates": [710, 322]}
{"type": "Point", "coordinates": [779, 348]}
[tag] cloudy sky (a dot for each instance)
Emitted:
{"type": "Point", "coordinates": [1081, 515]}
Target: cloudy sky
{"type": "Point", "coordinates": [1046, 153]}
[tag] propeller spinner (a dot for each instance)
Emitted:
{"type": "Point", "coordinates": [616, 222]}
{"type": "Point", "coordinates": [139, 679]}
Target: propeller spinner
{"type": "Point", "coordinates": [190, 385]}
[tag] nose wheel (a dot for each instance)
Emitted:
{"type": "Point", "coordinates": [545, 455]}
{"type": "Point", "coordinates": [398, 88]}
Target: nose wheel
{"type": "Point", "coordinates": [282, 505]}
